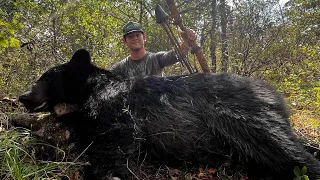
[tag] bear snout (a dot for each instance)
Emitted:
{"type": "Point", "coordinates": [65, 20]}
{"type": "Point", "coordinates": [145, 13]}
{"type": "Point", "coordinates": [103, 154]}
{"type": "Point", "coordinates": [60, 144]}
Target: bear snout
{"type": "Point", "coordinates": [32, 102]}
{"type": "Point", "coordinates": [27, 101]}
{"type": "Point", "coordinates": [25, 98]}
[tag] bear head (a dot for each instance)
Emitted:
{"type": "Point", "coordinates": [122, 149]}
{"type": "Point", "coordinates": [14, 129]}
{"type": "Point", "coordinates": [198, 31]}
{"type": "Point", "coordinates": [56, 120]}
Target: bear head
{"type": "Point", "coordinates": [61, 84]}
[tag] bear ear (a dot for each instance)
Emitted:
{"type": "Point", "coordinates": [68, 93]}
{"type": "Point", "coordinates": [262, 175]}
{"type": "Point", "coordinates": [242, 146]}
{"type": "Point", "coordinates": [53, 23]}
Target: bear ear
{"type": "Point", "coordinates": [81, 56]}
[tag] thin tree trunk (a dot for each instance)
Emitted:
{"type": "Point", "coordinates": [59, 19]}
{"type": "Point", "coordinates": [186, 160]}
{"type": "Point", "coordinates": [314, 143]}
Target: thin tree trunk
{"type": "Point", "coordinates": [54, 33]}
{"type": "Point", "coordinates": [224, 47]}
{"type": "Point", "coordinates": [141, 12]}
{"type": "Point", "coordinates": [212, 36]}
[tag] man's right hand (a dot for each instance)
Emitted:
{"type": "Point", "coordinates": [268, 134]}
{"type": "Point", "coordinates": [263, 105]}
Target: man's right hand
{"type": "Point", "coordinates": [188, 36]}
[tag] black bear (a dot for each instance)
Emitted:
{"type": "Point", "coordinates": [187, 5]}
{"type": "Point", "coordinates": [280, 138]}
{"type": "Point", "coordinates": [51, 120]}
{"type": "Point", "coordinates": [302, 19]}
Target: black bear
{"type": "Point", "coordinates": [201, 118]}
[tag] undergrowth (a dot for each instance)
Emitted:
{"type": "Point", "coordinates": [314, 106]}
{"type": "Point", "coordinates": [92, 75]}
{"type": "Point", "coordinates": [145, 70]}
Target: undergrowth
{"type": "Point", "coordinates": [18, 157]}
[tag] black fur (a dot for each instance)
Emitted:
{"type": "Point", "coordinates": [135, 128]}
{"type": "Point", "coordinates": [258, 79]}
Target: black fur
{"type": "Point", "coordinates": [201, 118]}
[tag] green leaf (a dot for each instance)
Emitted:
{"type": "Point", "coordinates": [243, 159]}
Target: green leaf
{"type": "Point", "coordinates": [2, 13]}
{"type": "Point", "coordinates": [20, 26]}
{"type": "Point", "coordinates": [296, 171]}
{"type": "Point", "coordinates": [15, 21]}
{"type": "Point", "coordinates": [14, 42]}
{"type": "Point", "coordinates": [304, 170]}
{"type": "Point", "coordinates": [11, 31]}
{"type": "Point", "coordinates": [4, 42]}
{"type": "Point", "coordinates": [305, 177]}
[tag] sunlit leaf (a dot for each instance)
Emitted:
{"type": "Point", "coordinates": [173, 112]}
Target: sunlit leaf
{"type": "Point", "coordinates": [15, 21]}
{"type": "Point", "coordinates": [305, 177]}
{"type": "Point", "coordinates": [4, 42]}
{"type": "Point", "coordinates": [20, 26]}
{"type": "Point", "coordinates": [14, 42]}
{"type": "Point", "coordinates": [11, 31]}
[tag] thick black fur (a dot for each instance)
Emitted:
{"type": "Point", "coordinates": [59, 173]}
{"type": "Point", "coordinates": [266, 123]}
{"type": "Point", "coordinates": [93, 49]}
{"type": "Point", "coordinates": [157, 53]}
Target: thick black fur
{"type": "Point", "coordinates": [200, 118]}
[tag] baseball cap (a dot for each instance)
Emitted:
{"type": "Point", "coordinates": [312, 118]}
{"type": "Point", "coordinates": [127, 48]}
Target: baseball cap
{"type": "Point", "coordinates": [131, 27]}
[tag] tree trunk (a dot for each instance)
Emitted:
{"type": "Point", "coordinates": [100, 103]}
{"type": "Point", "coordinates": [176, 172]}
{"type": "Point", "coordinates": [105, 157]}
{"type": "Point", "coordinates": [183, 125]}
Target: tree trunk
{"type": "Point", "coordinates": [224, 63]}
{"type": "Point", "coordinates": [141, 12]}
{"type": "Point", "coordinates": [212, 36]}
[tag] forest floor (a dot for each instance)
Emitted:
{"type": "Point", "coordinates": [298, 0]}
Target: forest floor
{"type": "Point", "coordinates": [307, 125]}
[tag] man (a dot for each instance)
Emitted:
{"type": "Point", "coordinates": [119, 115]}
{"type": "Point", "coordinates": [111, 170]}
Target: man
{"type": "Point", "coordinates": [141, 62]}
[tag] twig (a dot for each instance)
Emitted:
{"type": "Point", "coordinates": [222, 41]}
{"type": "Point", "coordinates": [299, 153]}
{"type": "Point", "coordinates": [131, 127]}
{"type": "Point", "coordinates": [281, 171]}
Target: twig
{"type": "Point", "coordinates": [131, 170]}
{"type": "Point", "coordinates": [312, 146]}
{"type": "Point", "coordinates": [61, 163]}
{"type": "Point", "coordinates": [145, 156]}
{"type": "Point", "coordinates": [79, 156]}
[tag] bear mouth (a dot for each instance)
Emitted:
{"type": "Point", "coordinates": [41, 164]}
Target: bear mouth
{"type": "Point", "coordinates": [33, 107]}
{"type": "Point", "coordinates": [42, 107]}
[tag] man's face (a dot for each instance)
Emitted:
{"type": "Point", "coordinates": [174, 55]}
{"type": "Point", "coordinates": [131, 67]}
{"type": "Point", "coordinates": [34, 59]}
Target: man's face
{"type": "Point", "coordinates": [135, 40]}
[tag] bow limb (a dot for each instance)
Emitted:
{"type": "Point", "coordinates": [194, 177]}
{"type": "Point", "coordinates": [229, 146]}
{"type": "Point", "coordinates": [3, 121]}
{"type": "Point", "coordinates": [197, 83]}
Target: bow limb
{"type": "Point", "coordinates": [193, 44]}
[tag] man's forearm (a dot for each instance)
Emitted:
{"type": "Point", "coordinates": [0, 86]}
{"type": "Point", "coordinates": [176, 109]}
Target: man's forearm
{"type": "Point", "coordinates": [184, 48]}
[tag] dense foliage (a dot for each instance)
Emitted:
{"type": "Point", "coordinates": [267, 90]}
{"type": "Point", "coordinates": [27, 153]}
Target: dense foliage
{"type": "Point", "coordinates": [264, 39]}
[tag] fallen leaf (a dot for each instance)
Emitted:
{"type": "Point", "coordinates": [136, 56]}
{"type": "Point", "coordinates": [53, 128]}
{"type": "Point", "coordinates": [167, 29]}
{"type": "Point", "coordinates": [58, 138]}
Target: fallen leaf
{"type": "Point", "coordinates": [174, 172]}
{"type": "Point", "coordinates": [212, 170]}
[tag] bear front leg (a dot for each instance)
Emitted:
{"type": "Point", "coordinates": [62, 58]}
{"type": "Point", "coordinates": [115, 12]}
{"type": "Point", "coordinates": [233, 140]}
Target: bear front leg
{"type": "Point", "coordinates": [111, 153]}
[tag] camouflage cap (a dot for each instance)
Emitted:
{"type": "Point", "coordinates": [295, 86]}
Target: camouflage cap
{"type": "Point", "coordinates": [131, 27]}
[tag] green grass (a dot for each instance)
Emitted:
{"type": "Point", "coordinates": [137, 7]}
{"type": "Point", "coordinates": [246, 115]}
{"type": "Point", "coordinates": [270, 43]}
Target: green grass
{"type": "Point", "coordinates": [18, 158]}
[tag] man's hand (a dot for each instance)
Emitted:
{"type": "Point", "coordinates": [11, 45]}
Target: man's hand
{"type": "Point", "coordinates": [187, 36]}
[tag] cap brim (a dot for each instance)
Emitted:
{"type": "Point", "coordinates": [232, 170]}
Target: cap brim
{"type": "Point", "coordinates": [132, 32]}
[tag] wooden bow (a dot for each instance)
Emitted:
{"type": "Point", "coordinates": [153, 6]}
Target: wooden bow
{"type": "Point", "coordinates": [194, 47]}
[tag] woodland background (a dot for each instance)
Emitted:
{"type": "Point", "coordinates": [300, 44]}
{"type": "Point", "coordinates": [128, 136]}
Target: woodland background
{"type": "Point", "coordinates": [259, 38]}
{"type": "Point", "coordinates": [265, 39]}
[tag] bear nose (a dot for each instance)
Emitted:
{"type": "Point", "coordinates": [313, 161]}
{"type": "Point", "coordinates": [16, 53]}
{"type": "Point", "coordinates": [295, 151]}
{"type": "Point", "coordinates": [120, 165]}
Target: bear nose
{"type": "Point", "coordinates": [25, 97]}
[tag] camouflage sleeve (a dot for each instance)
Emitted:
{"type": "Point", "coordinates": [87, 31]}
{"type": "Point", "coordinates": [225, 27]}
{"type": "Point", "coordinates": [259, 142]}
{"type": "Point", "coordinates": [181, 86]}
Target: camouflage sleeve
{"type": "Point", "coordinates": [119, 68]}
{"type": "Point", "coordinates": [166, 58]}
